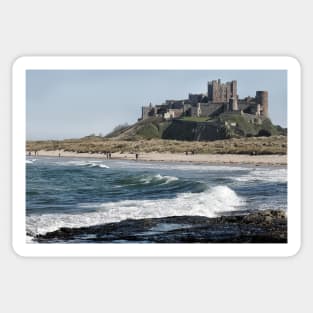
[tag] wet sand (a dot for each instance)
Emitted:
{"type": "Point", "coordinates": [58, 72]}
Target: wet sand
{"type": "Point", "coordinates": [179, 157]}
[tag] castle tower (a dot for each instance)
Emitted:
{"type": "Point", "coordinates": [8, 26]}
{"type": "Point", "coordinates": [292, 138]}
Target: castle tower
{"type": "Point", "coordinates": [221, 92]}
{"type": "Point", "coordinates": [210, 91]}
{"type": "Point", "coordinates": [233, 104]}
{"type": "Point", "coordinates": [234, 88]}
{"type": "Point", "coordinates": [215, 91]}
{"type": "Point", "coordinates": [262, 99]}
{"type": "Point", "coordinates": [227, 92]}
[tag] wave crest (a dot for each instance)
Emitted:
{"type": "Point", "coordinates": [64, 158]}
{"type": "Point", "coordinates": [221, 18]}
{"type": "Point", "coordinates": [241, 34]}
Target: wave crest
{"type": "Point", "coordinates": [30, 161]}
{"type": "Point", "coordinates": [163, 179]}
{"type": "Point", "coordinates": [208, 203]}
{"type": "Point", "coordinates": [267, 175]}
{"type": "Point", "coordinates": [85, 164]}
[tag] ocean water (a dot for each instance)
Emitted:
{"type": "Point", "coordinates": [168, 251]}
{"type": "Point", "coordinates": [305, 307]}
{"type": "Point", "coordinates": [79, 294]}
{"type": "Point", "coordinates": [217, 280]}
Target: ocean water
{"type": "Point", "coordinates": [77, 192]}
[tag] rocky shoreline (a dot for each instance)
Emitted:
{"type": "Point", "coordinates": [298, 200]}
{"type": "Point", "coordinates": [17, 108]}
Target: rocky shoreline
{"type": "Point", "coordinates": [268, 226]}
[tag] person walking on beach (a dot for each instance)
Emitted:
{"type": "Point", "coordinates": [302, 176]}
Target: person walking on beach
{"type": "Point", "coordinates": [137, 155]}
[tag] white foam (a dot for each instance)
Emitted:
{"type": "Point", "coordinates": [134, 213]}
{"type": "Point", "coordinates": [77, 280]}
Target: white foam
{"type": "Point", "coordinates": [164, 179]}
{"type": "Point", "coordinates": [30, 161]}
{"type": "Point", "coordinates": [267, 175]}
{"type": "Point", "coordinates": [84, 163]}
{"type": "Point", "coordinates": [29, 239]}
{"type": "Point", "coordinates": [180, 166]}
{"type": "Point", "coordinates": [208, 203]}
{"type": "Point", "coordinates": [103, 166]}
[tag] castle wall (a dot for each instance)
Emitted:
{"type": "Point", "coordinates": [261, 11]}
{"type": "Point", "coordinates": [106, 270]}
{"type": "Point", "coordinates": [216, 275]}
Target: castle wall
{"type": "Point", "coordinates": [175, 104]}
{"type": "Point", "coordinates": [207, 109]}
{"type": "Point", "coordinates": [243, 106]}
{"type": "Point", "coordinates": [176, 112]}
{"type": "Point", "coordinates": [196, 98]}
{"type": "Point", "coordinates": [194, 111]}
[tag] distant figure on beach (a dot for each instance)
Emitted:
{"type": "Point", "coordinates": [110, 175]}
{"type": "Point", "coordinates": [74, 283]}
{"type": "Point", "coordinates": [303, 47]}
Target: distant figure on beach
{"type": "Point", "coordinates": [59, 154]}
{"type": "Point", "coordinates": [186, 152]}
{"type": "Point", "coordinates": [192, 152]}
{"type": "Point", "coordinates": [109, 155]}
{"type": "Point", "coordinates": [137, 155]}
{"type": "Point", "coordinates": [29, 153]}
{"type": "Point", "coordinates": [35, 152]}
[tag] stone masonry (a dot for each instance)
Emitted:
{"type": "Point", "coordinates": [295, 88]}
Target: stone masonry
{"type": "Point", "coordinates": [220, 97]}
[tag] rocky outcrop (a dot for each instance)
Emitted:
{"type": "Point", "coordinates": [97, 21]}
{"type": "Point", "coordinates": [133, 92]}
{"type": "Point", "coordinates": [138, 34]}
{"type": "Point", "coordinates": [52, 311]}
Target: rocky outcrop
{"type": "Point", "coordinates": [269, 226]}
{"type": "Point", "coordinates": [194, 131]}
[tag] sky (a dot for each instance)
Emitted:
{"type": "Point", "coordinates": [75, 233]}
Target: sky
{"type": "Point", "coordinates": [64, 104]}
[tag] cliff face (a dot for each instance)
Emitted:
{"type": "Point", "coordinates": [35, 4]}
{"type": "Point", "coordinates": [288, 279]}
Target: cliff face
{"type": "Point", "coordinates": [194, 131]}
{"type": "Point", "coordinates": [198, 129]}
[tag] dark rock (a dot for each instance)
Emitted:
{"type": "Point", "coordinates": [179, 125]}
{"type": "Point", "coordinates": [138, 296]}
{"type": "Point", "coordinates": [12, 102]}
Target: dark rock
{"type": "Point", "coordinates": [269, 226]}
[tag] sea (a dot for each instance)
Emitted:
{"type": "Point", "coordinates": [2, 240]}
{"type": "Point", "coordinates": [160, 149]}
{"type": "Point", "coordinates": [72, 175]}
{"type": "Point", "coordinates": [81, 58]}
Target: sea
{"type": "Point", "coordinates": [82, 192]}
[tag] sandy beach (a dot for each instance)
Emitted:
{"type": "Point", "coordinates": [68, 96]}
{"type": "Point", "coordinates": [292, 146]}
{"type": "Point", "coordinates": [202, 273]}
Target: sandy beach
{"type": "Point", "coordinates": [179, 157]}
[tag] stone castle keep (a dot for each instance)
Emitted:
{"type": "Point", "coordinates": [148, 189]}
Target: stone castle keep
{"type": "Point", "coordinates": [219, 98]}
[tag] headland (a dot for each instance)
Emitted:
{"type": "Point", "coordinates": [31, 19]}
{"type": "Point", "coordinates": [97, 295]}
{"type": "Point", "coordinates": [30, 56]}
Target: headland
{"type": "Point", "coordinates": [212, 127]}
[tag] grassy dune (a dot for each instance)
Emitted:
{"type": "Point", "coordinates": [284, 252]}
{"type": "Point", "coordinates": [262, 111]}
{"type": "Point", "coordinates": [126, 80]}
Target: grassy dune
{"type": "Point", "coordinates": [250, 145]}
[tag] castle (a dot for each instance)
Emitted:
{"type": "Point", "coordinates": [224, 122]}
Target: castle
{"type": "Point", "coordinates": [219, 98]}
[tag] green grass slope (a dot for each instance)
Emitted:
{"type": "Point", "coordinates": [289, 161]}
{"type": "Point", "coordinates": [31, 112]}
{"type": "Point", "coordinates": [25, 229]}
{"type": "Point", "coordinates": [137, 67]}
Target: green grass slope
{"type": "Point", "coordinates": [225, 126]}
{"type": "Point", "coordinates": [151, 128]}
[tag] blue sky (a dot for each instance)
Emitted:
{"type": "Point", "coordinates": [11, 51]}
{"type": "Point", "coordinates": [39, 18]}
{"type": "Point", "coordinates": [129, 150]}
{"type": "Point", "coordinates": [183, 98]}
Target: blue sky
{"type": "Point", "coordinates": [75, 103]}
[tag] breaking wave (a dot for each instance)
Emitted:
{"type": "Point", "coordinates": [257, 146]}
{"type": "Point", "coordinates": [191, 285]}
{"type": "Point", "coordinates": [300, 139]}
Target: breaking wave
{"type": "Point", "coordinates": [158, 178]}
{"type": "Point", "coordinates": [209, 203]}
{"type": "Point", "coordinates": [180, 166]}
{"type": "Point", "coordinates": [84, 163]}
{"type": "Point", "coordinates": [30, 161]}
{"type": "Point", "coordinates": [267, 175]}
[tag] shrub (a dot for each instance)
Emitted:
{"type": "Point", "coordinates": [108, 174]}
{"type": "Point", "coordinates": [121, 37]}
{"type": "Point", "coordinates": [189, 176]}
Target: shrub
{"type": "Point", "coordinates": [264, 133]}
{"type": "Point", "coordinates": [120, 127]}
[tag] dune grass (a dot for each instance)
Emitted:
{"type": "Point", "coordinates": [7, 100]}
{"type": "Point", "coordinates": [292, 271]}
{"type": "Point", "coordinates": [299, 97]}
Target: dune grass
{"type": "Point", "coordinates": [250, 145]}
